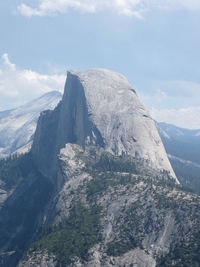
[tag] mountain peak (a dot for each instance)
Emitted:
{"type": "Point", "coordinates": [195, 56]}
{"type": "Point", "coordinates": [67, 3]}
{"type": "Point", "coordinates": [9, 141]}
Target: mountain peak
{"type": "Point", "coordinates": [99, 107]}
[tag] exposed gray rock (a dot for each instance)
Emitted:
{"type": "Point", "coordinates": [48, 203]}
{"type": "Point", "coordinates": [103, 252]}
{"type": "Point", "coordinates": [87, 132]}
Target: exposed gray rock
{"type": "Point", "coordinates": [39, 259]}
{"type": "Point", "coordinates": [99, 107]}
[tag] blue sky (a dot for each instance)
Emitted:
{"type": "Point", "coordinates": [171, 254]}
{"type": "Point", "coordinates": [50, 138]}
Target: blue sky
{"type": "Point", "coordinates": [154, 43]}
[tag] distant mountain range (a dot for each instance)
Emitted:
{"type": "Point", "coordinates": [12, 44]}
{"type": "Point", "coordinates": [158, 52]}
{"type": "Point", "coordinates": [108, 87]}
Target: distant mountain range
{"type": "Point", "coordinates": [17, 126]}
{"type": "Point", "coordinates": [183, 149]}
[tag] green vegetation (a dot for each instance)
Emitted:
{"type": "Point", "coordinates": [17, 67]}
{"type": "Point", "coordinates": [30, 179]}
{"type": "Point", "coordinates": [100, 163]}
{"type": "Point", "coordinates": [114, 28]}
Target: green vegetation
{"type": "Point", "coordinates": [108, 162]}
{"type": "Point", "coordinates": [74, 236]}
{"type": "Point", "coordinates": [184, 255]}
{"type": "Point", "coordinates": [120, 247]}
{"type": "Point", "coordinates": [189, 175]}
{"type": "Point", "coordinates": [106, 180]}
{"type": "Point", "coordinates": [130, 228]}
{"type": "Point", "coordinates": [24, 207]}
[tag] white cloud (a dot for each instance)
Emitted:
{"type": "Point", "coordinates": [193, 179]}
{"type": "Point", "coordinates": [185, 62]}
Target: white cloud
{"type": "Point", "coordinates": [184, 117]}
{"type": "Point", "coordinates": [49, 7]}
{"type": "Point", "coordinates": [7, 64]}
{"type": "Point", "coordinates": [18, 86]}
{"type": "Point", "coordinates": [156, 97]}
{"type": "Point", "coordinates": [134, 8]}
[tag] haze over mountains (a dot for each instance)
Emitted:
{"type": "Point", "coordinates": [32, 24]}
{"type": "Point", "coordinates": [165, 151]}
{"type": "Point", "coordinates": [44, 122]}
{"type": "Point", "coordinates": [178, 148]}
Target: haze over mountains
{"type": "Point", "coordinates": [183, 148]}
{"type": "Point", "coordinates": [96, 188]}
{"type": "Point", "coordinates": [17, 126]}
{"type": "Point", "coordinates": [181, 143]}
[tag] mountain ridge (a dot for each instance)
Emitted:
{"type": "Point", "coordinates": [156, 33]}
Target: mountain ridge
{"type": "Point", "coordinates": [17, 126]}
{"type": "Point", "coordinates": [183, 148]}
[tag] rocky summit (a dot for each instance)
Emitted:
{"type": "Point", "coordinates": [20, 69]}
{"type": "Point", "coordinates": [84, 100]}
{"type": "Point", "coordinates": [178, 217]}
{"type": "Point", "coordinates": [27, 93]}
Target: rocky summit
{"type": "Point", "coordinates": [100, 107]}
{"type": "Point", "coordinates": [97, 188]}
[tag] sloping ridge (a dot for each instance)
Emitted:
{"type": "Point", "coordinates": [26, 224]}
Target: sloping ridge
{"type": "Point", "coordinates": [98, 107]}
{"type": "Point", "coordinates": [17, 126]}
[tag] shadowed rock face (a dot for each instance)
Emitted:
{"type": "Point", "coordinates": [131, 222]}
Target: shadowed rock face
{"type": "Point", "coordinates": [68, 123]}
{"type": "Point", "coordinates": [17, 126]}
{"type": "Point", "coordinates": [98, 107]}
{"type": "Point", "coordinates": [21, 214]}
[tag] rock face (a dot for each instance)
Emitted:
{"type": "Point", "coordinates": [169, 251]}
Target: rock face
{"type": "Point", "coordinates": [17, 126]}
{"type": "Point", "coordinates": [99, 107]}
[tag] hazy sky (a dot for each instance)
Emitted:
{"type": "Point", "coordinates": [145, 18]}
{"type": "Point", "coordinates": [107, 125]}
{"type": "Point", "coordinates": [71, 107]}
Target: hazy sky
{"type": "Point", "coordinates": [154, 43]}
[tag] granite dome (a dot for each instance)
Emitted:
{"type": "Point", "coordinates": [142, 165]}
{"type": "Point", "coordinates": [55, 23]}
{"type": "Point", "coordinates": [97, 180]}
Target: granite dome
{"type": "Point", "coordinates": [100, 107]}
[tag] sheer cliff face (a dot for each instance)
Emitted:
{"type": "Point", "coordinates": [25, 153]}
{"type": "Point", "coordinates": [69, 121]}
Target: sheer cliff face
{"type": "Point", "coordinates": [99, 107]}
